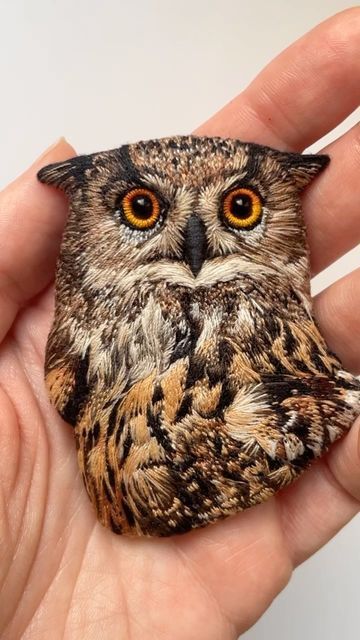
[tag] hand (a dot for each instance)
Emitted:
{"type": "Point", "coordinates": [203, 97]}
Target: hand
{"type": "Point", "coordinates": [61, 574]}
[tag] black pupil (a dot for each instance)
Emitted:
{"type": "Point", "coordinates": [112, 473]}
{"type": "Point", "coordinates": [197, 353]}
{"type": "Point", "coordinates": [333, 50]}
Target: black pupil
{"type": "Point", "coordinates": [142, 206]}
{"type": "Point", "coordinates": [241, 206]}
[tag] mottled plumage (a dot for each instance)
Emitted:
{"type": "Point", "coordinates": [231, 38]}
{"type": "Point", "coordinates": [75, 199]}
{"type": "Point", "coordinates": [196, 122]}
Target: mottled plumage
{"type": "Point", "coordinates": [183, 350]}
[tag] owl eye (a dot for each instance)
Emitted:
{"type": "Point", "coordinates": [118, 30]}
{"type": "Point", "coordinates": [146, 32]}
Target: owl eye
{"type": "Point", "coordinates": [242, 208]}
{"type": "Point", "coordinates": [140, 208]}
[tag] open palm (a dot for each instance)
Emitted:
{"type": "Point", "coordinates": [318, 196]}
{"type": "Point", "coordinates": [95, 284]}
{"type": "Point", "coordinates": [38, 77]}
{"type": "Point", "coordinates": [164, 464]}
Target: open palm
{"type": "Point", "coordinates": [61, 574]}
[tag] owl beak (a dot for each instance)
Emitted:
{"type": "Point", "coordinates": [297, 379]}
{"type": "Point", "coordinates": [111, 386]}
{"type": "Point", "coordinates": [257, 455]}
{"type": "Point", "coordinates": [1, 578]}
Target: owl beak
{"type": "Point", "coordinates": [195, 244]}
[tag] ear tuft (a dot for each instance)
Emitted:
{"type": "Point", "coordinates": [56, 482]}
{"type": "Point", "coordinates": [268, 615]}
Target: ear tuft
{"type": "Point", "coordinates": [303, 168]}
{"type": "Point", "coordinates": [65, 175]}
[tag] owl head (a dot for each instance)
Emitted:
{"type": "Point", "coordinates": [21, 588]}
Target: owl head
{"type": "Point", "coordinates": [195, 208]}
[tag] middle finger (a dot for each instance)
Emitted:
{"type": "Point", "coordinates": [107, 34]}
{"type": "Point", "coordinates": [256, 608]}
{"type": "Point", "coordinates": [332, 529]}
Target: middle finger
{"type": "Point", "coordinates": [331, 205]}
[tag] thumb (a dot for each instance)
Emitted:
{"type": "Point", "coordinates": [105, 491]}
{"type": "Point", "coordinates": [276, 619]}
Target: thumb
{"type": "Point", "coordinates": [32, 218]}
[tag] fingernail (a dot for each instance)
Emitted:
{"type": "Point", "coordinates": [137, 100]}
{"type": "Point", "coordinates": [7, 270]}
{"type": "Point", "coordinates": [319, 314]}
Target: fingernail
{"type": "Point", "coordinates": [51, 148]}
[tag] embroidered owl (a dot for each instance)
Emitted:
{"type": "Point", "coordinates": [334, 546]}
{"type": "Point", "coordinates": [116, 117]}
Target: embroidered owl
{"type": "Point", "coordinates": [183, 351]}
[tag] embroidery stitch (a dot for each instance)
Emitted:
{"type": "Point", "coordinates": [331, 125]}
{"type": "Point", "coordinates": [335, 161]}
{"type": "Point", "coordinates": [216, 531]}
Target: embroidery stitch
{"type": "Point", "coordinates": [183, 349]}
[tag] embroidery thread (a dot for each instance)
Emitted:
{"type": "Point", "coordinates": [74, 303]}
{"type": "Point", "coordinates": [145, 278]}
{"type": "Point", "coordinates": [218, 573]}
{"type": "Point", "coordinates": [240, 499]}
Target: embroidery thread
{"type": "Point", "coordinates": [183, 349]}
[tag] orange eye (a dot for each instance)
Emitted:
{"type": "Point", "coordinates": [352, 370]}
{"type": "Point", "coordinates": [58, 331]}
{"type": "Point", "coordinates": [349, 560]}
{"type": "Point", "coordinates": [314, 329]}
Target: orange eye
{"type": "Point", "coordinates": [141, 208]}
{"type": "Point", "coordinates": [242, 208]}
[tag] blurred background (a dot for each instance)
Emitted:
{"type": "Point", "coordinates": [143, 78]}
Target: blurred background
{"type": "Point", "coordinates": [109, 72]}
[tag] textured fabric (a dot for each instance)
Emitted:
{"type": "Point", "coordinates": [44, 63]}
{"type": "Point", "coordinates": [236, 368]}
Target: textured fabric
{"type": "Point", "coordinates": [183, 349]}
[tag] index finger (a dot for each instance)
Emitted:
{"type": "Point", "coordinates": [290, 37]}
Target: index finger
{"type": "Point", "coordinates": [303, 93]}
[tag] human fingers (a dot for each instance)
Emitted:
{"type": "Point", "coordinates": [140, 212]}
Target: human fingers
{"type": "Point", "coordinates": [337, 311]}
{"type": "Point", "coordinates": [331, 206]}
{"type": "Point", "coordinates": [303, 93]}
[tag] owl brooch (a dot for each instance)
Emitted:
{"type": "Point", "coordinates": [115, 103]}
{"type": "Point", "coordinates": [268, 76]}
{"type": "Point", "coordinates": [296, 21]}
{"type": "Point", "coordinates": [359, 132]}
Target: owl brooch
{"type": "Point", "coordinates": [183, 350]}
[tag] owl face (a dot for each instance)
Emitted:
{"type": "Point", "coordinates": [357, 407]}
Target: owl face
{"type": "Point", "coordinates": [189, 205]}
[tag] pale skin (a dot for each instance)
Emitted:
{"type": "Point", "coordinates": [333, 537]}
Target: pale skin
{"type": "Point", "coordinates": [62, 575]}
